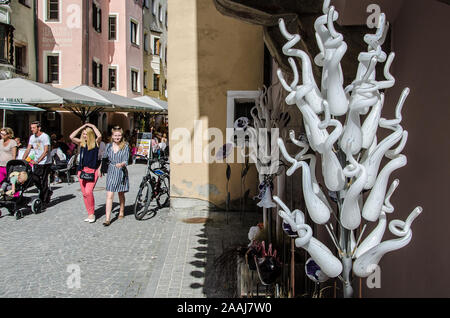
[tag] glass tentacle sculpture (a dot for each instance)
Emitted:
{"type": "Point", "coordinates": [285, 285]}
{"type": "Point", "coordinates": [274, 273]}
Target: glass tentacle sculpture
{"type": "Point", "coordinates": [361, 169]}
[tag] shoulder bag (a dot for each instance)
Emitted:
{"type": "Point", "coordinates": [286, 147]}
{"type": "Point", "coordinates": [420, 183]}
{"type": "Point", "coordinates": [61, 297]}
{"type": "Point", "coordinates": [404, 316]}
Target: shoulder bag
{"type": "Point", "coordinates": [84, 175]}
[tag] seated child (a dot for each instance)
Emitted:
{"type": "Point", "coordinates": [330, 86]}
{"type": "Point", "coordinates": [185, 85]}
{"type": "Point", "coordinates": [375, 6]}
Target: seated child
{"type": "Point", "coordinates": [9, 188]}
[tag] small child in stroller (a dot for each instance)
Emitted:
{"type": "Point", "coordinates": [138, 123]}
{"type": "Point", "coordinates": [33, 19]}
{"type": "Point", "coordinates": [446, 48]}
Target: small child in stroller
{"type": "Point", "coordinates": [8, 189]}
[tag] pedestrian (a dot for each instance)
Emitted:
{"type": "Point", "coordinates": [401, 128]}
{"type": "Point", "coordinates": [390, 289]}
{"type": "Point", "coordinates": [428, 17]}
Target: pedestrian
{"type": "Point", "coordinates": [88, 165]}
{"type": "Point", "coordinates": [20, 148]}
{"type": "Point", "coordinates": [72, 148]}
{"type": "Point", "coordinates": [59, 161]}
{"type": "Point", "coordinates": [117, 152]}
{"type": "Point", "coordinates": [62, 145]}
{"type": "Point", "coordinates": [41, 161]}
{"type": "Point", "coordinates": [103, 143]}
{"type": "Point", "coordinates": [8, 150]}
{"type": "Point", "coordinates": [18, 142]}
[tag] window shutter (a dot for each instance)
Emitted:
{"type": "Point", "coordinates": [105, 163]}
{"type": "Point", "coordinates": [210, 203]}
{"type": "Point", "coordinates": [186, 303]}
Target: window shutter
{"type": "Point", "coordinates": [94, 73]}
{"type": "Point", "coordinates": [49, 69]}
{"type": "Point", "coordinates": [94, 16]}
{"type": "Point", "coordinates": [100, 22]}
{"type": "Point", "coordinates": [101, 75]}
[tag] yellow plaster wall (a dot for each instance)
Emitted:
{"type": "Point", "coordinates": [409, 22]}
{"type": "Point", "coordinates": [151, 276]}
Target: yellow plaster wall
{"type": "Point", "coordinates": [208, 55]}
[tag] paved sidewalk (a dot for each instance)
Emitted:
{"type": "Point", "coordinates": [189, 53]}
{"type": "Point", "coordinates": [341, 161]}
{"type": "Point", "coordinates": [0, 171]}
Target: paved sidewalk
{"type": "Point", "coordinates": [169, 255]}
{"type": "Point", "coordinates": [197, 237]}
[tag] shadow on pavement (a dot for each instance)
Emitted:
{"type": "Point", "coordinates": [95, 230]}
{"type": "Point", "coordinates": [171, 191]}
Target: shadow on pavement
{"type": "Point", "coordinates": [218, 247]}
{"type": "Point", "coordinates": [60, 199]}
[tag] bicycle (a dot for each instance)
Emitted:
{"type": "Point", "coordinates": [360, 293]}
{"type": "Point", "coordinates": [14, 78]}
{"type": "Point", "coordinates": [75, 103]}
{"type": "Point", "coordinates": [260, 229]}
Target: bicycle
{"type": "Point", "coordinates": [155, 185]}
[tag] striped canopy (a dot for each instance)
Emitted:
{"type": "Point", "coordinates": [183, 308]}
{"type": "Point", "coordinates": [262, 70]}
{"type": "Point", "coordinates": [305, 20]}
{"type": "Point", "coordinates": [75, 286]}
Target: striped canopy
{"type": "Point", "coordinates": [5, 105]}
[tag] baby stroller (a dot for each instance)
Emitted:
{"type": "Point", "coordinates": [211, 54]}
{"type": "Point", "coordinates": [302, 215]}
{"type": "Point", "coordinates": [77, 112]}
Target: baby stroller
{"type": "Point", "coordinates": [19, 202]}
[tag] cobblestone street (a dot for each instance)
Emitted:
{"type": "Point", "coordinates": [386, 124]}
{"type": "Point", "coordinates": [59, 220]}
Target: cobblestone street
{"type": "Point", "coordinates": [159, 257]}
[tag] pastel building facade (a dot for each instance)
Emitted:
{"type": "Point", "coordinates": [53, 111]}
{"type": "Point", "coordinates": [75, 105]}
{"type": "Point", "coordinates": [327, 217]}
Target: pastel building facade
{"type": "Point", "coordinates": [17, 39]}
{"type": "Point", "coordinates": [97, 43]}
{"type": "Point", "coordinates": [155, 48]}
{"type": "Point", "coordinates": [18, 52]}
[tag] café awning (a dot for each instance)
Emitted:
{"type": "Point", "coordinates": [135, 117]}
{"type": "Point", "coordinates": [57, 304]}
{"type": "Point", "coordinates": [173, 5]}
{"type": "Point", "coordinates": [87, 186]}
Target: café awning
{"type": "Point", "coordinates": [119, 102]}
{"type": "Point", "coordinates": [157, 104]}
{"type": "Point", "coordinates": [5, 106]}
{"type": "Point", "coordinates": [30, 92]}
{"type": "Point", "coordinates": [21, 90]}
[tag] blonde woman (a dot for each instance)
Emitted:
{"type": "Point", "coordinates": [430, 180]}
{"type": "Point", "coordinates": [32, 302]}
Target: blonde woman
{"type": "Point", "coordinates": [118, 153]}
{"type": "Point", "coordinates": [88, 166]}
{"type": "Point", "coordinates": [8, 150]}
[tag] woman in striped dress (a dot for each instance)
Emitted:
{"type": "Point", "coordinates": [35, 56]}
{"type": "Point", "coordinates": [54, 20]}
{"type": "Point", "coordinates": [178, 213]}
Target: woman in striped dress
{"type": "Point", "coordinates": [118, 153]}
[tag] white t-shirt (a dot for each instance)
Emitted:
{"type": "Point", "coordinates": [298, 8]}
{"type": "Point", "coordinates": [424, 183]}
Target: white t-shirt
{"type": "Point", "coordinates": [38, 144]}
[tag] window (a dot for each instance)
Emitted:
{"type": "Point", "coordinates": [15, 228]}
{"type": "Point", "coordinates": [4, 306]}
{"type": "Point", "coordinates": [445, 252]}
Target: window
{"type": "Point", "coordinates": [156, 82]}
{"type": "Point", "coordinates": [134, 80]}
{"type": "Point", "coordinates": [166, 19]}
{"type": "Point", "coordinates": [156, 46]}
{"type": "Point", "coordinates": [53, 69]}
{"type": "Point", "coordinates": [53, 10]}
{"type": "Point", "coordinates": [134, 33]}
{"type": "Point", "coordinates": [97, 74]}
{"type": "Point", "coordinates": [147, 3]}
{"type": "Point", "coordinates": [20, 59]}
{"type": "Point", "coordinates": [145, 79]}
{"type": "Point", "coordinates": [146, 42]}
{"type": "Point", "coordinates": [112, 86]}
{"type": "Point", "coordinates": [239, 103]}
{"type": "Point", "coordinates": [112, 27]}
{"type": "Point", "coordinates": [160, 14]}
{"type": "Point", "coordinates": [96, 18]}
{"type": "Point", "coordinates": [6, 36]}
{"type": "Point", "coordinates": [153, 7]}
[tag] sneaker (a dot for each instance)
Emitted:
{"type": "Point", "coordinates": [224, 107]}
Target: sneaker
{"type": "Point", "coordinates": [89, 220]}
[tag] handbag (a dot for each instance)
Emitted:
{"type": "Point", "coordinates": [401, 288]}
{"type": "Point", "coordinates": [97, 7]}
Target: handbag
{"type": "Point", "coordinates": [85, 175]}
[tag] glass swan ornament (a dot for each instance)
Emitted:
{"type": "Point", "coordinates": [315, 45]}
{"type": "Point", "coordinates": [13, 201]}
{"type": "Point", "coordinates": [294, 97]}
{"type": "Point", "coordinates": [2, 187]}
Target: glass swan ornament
{"type": "Point", "coordinates": [374, 238]}
{"type": "Point", "coordinates": [312, 95]}
{"type": "Point", "coordinates": [328, 263]}
{"type": "Point", "coordinates": [364, 90]}
{"type": "Point", "coordinates": [364, 265]}
{"type": "Point", "coordinates": [312, 166]}
{"type": "Point", "coordinates": [372, 159]}
{"type": "Point", "coordinates": [333, 48]}
{"type": "Point", "coordinates": [350, 212]}
{"type": "Point", "coordinates": [318, 210]}
{"type": "Point", "coordinates": [331, 167]}
{"type": "Point", "coordinates": [374, 201]}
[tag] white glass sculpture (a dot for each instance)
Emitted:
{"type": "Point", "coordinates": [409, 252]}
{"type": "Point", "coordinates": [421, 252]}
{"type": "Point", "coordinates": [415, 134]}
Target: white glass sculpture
{"type": "Point", "coordinates": [358, 168]}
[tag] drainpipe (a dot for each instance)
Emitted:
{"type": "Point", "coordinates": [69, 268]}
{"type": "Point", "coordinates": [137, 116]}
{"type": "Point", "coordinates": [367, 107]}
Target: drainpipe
{"type": "Point", "coordinates": [36, 43]}
{"type": "Point", "coordinates": [87, 41]}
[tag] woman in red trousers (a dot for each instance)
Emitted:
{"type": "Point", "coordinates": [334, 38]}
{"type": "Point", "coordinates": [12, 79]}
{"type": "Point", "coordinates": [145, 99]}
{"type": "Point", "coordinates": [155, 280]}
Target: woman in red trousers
{"type": "Point", "coordinates": [88, 164]}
